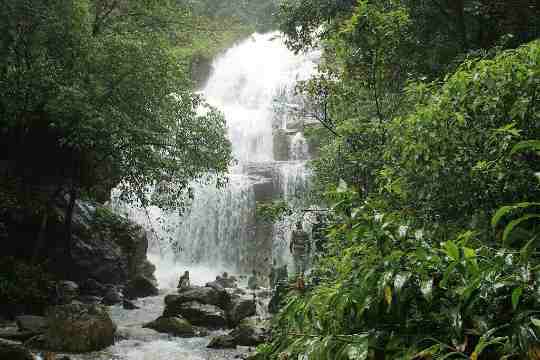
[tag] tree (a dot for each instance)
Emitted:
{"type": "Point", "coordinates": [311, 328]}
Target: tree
{"type": "Point", "coordinates": [93, 96]}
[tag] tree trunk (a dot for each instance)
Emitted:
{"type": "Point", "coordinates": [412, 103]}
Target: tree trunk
{"type": "Point", "coordinates": [43, 226]}
{"type": "Point", "coordinates": [69, 221]}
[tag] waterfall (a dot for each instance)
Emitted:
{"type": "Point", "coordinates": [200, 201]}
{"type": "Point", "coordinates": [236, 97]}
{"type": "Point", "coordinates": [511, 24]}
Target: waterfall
{"type": "Point", "coordinates": [220, 230]}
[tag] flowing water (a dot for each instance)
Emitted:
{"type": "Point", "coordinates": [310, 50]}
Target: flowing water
{"type": "Point", "coordinates": [220, 230]}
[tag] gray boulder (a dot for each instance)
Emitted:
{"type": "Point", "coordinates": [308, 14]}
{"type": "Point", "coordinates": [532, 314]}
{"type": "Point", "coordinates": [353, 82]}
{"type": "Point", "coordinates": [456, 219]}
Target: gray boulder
{"type": "Point", "coordinates": [249, 334]}
{"type": "Point", "coordinates": [36, 324]}
{"type": "Point", "coordinates": [175, 326]}
{"type": "Point", "coordinates": [203, 295]}
{"type": "Point", "coordinates": [240, 308]}
{"type": "Point", "coordinates": [106, 247]}
{"type": "Point", "coordinates": [79, 328]}
{"type": "Point", "coordinates": [10, 350]}
{"type": "Point", "coordinates": [141, 286]}
{"type": "Point", "coordinates": [199, 314]}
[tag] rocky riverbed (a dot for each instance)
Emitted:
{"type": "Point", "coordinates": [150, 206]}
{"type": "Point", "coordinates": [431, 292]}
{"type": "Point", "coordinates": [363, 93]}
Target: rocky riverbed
{"type": "Point", "coordinates": [228, 319]}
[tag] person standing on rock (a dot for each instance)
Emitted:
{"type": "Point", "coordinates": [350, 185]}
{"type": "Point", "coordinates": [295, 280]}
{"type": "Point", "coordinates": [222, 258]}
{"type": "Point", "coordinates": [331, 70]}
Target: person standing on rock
{"type": "Point", "coordinates": [252, 281]}
{"type": "Point", "coordinates": [184, 283]}
{"type": "Point", "coordinates": [299, 248]}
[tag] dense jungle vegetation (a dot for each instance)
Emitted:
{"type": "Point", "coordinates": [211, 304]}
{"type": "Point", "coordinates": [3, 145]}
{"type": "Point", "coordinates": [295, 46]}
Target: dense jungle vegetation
{"type": "Point", "coordinates": [429, 163]}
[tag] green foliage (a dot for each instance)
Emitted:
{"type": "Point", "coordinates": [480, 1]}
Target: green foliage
{"type": "Point", "coordinates": [98, 86]}
{"type": "Point", "coordinates": [421, 107]}
{"type": "Point", "coordinates": [451, 156]}
{"type": "Point", "coordinates": [387, 289]}
{"type": "Point", "coordinates": [272, 211]}
{"type": "Point", "coordinates": [24, 288]}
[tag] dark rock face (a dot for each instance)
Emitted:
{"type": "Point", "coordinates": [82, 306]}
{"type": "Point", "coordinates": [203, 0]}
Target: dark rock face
{"type": "Point", "coordinates": [79, 328]}
{"type": "Point", "coordinates": [106, 247]}
{"type": "Point", "coordinates": [175, 326]}
{"type": "Point", "coordinates": [66, 292]}
{"type": "Point", "coordinates": [239, 309]}
{"type": "Point", "coordinates": [198, 314]}
{"type": "Point", "coordinates": [141, 286]}
{"type": "Point", "coordinates": [10, 350]}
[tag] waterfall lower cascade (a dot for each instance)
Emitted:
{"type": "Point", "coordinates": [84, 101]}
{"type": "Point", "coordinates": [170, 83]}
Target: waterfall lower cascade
{"type": "Point", "coordinates": [220, 230]}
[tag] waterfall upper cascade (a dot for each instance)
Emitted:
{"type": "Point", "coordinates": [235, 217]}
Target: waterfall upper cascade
{"type": "Point", "coordinates": [220, 230]}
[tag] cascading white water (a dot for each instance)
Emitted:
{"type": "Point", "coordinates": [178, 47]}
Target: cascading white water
{"type": "Point", "coordinates": [219, 228]}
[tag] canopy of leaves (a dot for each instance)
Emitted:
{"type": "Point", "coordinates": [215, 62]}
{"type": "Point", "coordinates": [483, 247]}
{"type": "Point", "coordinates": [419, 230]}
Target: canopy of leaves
{"type": "Point", "coordinates": [93, 94]}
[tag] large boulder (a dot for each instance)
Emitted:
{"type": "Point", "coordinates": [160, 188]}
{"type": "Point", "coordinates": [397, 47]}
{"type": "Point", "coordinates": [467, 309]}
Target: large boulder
{"type": "Point", "coordinates": [175, 326]}
{"type": "Point", "coordinates": [141, 286]}
{"type": "Point", "coordinates": [79, 328]}
{"type": "Point", "coordinates": [10, 350]}
{"type": "Point", "coordinates": [198, 314]}
{"type": "Point", "coordinates": [246, 334]}
{"type": "Point", "coordinates": [240, 307]}
{"type": "Point", "coordinates": [105, 246]}
{"type": "Point", "coordinates": [36, 324]}
{"type": "Point", "coordinates": [204, 295]}
{"type": "Point", "coordinates": [249, 334]}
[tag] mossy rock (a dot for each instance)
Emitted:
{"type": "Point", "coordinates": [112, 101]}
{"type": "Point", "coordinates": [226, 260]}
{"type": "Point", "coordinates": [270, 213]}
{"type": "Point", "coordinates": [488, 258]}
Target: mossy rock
{"type": "Point", "coordinates": [175, 326]}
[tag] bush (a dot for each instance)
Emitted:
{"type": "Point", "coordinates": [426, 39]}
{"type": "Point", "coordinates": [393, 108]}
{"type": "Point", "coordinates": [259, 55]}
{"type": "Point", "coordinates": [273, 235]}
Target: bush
{"type": "Point", "coordinates": [24, 288]}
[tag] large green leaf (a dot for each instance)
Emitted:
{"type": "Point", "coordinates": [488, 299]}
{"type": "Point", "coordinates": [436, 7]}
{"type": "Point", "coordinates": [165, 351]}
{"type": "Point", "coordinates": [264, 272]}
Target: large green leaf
{"type": "Point", "coordinates": [533, 145]}
{"type": "Point", "coordinates": [514, 223]}
{"type": "Point", "coordinates": [503, 211]}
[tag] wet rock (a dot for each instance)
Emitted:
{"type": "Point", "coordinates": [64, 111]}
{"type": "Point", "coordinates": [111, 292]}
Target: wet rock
{"type": "Point", "coordinates": [112, 296]}
{"type": "Point", "coordinates": [106, 247]}
{"type": "Point", "coordinates": [10, 350]}
{"type": "Point", "coordinates": [249, 334]}
{"type": "Point", "coordinates": [239, 309]}
{"type": "Point", "coordinates": [92, 287]}
{"type": "Point", "coordinates": [14, 334]}
{"type": "Point", "coordinates": [141, 286]}
{"type": "Point", "coordinates": [129, 305]}
{"type": "Point", "coordinates": [175, 326]}
{"type": "Point", "coordinates": [199, 314]}
{"type": "Point", "coordinates": [36, 324]}
{"type": "Point", "coordinates": [36, 342]}
{"type": "Point", "coordinates": [216, 285]}
{"type": "Point", "coordinates": [203, 295]}
{"type": "Point", "coordinates": [79, 328]}
{"type": "Point", "coordinates": [89, 299]}
{"type": "Point", "coordinates": [66, 292]}
{"type": "Point", "coordinates": [222, 342]}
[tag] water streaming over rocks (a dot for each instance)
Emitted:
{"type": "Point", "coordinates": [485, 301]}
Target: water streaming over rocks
{"type": "Point", "coordinates": [220, 231]}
